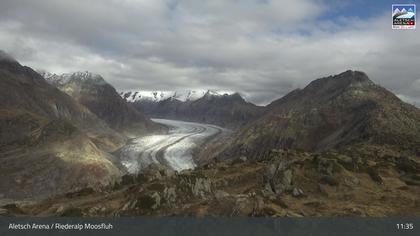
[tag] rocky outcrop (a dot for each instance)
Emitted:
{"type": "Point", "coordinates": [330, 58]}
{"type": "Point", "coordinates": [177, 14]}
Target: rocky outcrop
{"type": "Point", "coordinates": [284, 184]}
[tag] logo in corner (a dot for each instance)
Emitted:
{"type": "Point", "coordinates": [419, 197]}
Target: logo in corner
{"type": "Point", "coordinates": [403, 16]}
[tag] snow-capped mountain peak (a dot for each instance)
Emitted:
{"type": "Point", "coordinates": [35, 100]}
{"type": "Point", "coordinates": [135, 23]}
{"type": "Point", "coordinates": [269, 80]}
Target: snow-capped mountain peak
{"type": "Point", "coordinates": [84, 76]}
{"type": "Point", "coordinates": [183, 96]}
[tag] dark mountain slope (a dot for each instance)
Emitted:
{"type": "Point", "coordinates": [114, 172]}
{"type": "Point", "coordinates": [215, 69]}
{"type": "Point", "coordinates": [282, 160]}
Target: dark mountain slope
{"type": "Point", "coordinates": [103, 100]}
{"type": "Point", "coordinates": [331, 113]}
{"type": "Point", "coordinates": [230, 111]}
{"type": "Point", "coordinates": [22, 88]}
{"type": "Point", "coordinates": [48, 142]}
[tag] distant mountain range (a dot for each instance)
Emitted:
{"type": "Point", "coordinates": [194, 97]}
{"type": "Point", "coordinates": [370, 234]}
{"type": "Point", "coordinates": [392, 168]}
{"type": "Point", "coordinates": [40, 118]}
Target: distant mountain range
{"type": "Point", "coordinates": [157, 96]}
{"type": "Point", "coordinates": [227, 109]}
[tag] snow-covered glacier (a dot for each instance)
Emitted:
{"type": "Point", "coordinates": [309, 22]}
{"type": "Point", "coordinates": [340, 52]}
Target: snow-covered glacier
{"type": "Point", "coordinates": [173, 149]}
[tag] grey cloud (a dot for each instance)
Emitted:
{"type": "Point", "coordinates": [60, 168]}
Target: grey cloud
{"type": "Point", "coordinates": [247, 46]}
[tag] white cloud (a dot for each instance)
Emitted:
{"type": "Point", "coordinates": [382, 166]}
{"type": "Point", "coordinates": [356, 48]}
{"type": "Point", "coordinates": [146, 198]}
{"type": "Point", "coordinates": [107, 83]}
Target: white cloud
{"type": "Point", "coordinates": [262, 49]}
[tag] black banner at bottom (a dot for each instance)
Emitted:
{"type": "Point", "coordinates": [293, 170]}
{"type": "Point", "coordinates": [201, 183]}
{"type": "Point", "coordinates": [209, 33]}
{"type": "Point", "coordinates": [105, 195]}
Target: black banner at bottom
{"type": "Point", "coordinates": [210, 226]}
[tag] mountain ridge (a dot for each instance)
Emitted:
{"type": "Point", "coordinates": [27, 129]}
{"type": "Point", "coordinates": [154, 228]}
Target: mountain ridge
{"type": "Point", "coordinates": [226, 110]}
{"type": "Point", "coordinates": [181, 95]}
{"type": "Point", "coordinates": [325, 150]}
{"type": "Point", "coordinates": [331, 113]}
{"type": "Point", "coordinates": [92, 91]}
{"type": "Point", "coordinates": [49, 143]}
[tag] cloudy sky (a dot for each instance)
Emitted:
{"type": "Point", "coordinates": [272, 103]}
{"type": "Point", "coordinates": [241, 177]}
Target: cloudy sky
{"type": "Point", "coordinates": [261, 48]}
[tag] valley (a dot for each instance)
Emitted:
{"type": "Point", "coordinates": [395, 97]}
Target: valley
{"type": "Point", "coordinates": [72, 145]}
{"type": "Point", "coordinates": [173, 150]}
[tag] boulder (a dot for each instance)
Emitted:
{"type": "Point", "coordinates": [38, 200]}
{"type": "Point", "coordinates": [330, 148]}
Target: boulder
{"type": "Point", "coordinates": [297, 192]}
{"type": "Point", "coordinates": [219, 195]}
{"type": "Point", "coordinates": [156, 197]}
{"type": "Point", "coordinates": [169, 195]}
{"type": "Point", "coordinates": [374, 175]}
{"type": "Point", "coordinates": [258, 204]}
{"type": "Point", "coordinates": [129, 205]}
{"type": "Point", "coordinates": [277, 178]}
{"type": "Point", "coordinates": [201, 187]}
{"type": "Point", "coordinates": [326, 166]}
{"type": "Point", "coordinates": [60, 210]}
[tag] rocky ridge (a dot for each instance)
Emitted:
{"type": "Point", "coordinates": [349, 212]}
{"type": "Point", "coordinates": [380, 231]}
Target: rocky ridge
{"type": "Point", "coordinates": [92, 91]}
{"type": "Point", "coordinates": [330, 114]}
{"type": "Point", "coordinates": [49, 143]}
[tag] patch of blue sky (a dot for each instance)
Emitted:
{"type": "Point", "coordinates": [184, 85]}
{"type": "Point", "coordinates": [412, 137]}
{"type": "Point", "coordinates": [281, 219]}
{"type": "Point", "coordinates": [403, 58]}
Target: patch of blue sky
{"type": "Point", "coordinates": [362, 9]}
